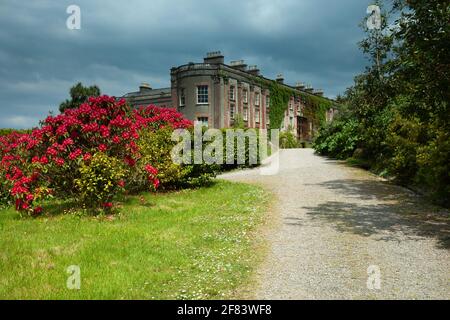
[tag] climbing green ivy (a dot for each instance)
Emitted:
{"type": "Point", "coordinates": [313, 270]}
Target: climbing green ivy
{"type": "Point", "coordinates": [316, 107]}
{"type": "Point", "coordinates": [279, 101]}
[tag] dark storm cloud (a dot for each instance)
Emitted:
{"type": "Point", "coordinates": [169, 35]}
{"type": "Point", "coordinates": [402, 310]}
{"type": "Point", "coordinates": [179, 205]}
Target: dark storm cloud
{"type": "Point", "coordinates": [121, 44]}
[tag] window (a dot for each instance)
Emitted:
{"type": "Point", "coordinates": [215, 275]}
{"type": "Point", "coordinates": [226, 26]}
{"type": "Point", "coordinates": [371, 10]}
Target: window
{"type": "Point", "coordinates": [202, 95]}
{"type": "Point", "coordinates": [257, 115]}
{"type": "Point", "coordinates": [203, 121]}
{"type": "Point", "coordinates": [245, 115]}
{"type": "Point", "coordinates": [232, 111]}
{"type": "Point", "coordinates": [257, 98]}
{"type": "Point", "coordinates": [245, 93]}
{"type": "Point", "coordinates": [267, 116]}
{"type": "Point", "coordinates": [182, 98]}
{"type": "Point", "coordinates": [267, 102]}
{"type": "Point", "coordinates": [232, 93]}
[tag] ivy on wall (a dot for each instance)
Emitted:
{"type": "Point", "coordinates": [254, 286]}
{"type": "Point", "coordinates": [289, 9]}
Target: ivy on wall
{"type": "Point", "coordinates": [316, 107]}
{"type": "Point", "coordinates": [279, 101]}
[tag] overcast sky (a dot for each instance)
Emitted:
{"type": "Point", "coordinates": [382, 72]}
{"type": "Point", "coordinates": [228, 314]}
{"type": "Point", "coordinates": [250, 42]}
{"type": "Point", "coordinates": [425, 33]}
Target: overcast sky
{"type": "Point", "coordinates": [123, 43]}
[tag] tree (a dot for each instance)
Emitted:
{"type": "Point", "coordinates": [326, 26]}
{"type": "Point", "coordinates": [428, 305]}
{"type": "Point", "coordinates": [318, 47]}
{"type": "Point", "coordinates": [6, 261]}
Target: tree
{"type": "Point", "coordinates": [78, 95]}
{"type": "Point", "coordinates": [423, 64]}
{"type": "Point", "coordinates": [401, 102]}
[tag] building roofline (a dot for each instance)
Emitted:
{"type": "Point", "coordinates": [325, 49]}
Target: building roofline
{"type": "Point", "coordinates": [248, 74]}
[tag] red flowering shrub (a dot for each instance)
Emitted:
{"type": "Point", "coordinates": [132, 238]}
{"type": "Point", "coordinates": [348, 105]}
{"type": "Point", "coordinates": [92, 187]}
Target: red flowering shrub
{"type": "Point", "coordinates": [51, 159]}
{"type": "Point", "coordinates": [13, 162]}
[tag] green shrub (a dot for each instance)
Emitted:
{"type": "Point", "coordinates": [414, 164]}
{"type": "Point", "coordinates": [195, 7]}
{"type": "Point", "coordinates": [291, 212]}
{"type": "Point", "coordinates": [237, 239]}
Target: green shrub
{"type": "Point", "coordinates": [288, 140]}
{"type": "Point", "coordinates": [434, 166]}
{"type": "Point", "coordinates": [402, 139]}
{"type": "Point", "coordinates": [338, 139]}
{"type": "Point", "coordinates": [99, 180]}
{"type": "Point", "coordinates": [156, 147]}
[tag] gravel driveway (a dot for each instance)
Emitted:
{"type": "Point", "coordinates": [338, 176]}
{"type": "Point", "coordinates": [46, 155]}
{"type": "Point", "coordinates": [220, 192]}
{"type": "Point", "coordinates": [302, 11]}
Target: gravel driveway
{"type": "Point", "coordinates": [333, 222]}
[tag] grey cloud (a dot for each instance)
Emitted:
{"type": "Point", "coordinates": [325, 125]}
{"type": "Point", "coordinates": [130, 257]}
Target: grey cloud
{"type": "Point", "coordinates": [124, 43]}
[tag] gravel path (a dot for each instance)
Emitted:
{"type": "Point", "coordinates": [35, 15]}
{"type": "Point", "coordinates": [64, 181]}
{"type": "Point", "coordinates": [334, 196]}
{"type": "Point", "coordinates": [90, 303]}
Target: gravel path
{"type": "Point", "coordinates": [335, 221]}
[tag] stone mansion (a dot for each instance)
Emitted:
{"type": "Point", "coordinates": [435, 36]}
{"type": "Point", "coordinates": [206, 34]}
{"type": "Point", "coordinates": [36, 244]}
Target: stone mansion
{"type": "Point", "coordinates": [214, 93]}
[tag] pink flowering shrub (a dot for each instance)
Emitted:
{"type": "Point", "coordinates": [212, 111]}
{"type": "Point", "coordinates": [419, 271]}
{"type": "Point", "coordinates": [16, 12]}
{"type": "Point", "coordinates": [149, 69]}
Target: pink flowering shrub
{"type": "Point", "coordinates": [52, 159]}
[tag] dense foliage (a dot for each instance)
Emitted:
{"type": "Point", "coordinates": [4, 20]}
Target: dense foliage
{"type": "Point", "coordinates": [85, 153]}
{"type": "Point", "coordinates": [315, 106]}
{"type": "Point", "coordinates": [156, 148]}
{"type": "Point", "coordinates": [396, 117]}
{"type": "Point", "coordinates": [288, 140]}
{"type": "Point", "coordinates": [79, 94]}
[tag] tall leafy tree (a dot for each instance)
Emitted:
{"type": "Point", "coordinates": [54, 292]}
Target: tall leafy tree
{"type": "Point", "coordinates": [78, 95]}
{"type": "Point", "coordinates": [423, 64]}
{"type": "Point", "coordinates": [400, 104]}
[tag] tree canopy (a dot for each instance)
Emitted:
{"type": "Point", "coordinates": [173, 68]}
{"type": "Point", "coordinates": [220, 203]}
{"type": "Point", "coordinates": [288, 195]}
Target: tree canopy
{"type": "Point", "coordinates": [79, 94]}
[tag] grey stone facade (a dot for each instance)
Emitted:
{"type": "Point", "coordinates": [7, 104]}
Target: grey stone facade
{"type": "Point", "coordinates": [214, 93]}
{"type": "Point", "coordinates": [146, 96]}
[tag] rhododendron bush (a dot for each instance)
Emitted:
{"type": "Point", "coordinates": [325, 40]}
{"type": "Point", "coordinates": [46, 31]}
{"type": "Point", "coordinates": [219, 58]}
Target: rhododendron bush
{"type": "Point", "coordinates": [85, 154]}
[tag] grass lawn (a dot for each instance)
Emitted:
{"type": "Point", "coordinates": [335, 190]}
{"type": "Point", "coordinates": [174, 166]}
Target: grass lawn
{"type": "Point", "coordinates": [193, 244]}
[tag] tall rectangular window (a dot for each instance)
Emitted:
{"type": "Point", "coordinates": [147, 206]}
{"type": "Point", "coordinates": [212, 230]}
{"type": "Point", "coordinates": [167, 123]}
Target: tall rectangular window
{"type": "Point", "coordinates": [257, 115]}
{"type": "Point", "coordinates": [202, 94]}
{"type": "Point", "coordinates": [232, 93]}
{"type": "Point", "coordinates": [257, 99]}
{"type": "Point", "coordinates": [267, 102]}
{"type": "Point", "coordinates": [245, 94]}
{"type": "Point", "coordinates": [182, 98]}
{"type": "Point", "coordinates": [245, 115]}
{"type": "Point", "coordinates": [232, 111]}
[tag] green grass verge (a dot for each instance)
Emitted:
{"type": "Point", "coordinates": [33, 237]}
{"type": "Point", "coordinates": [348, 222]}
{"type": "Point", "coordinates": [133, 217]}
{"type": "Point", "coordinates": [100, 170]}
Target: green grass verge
{"type": "Point", "coordinates": [193, 244]}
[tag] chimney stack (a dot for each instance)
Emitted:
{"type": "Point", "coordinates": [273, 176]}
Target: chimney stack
{"type": "Point", "coordinates": [253, 70]}
{"type": "Point", "coordinates": [280, 78]}
{"type": "Point", "coordinates": [318, 92]}
{"type": "Point", "coordinates": [300, 86]}
{"type": "Point", "coordinates": [309, 88]}
{"type": "Point", "coordinates": [239, 64]}
{"type": "Point", "coordinates": [144, 87]}
{"type": "Point", "coordinates": [214, 57]}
